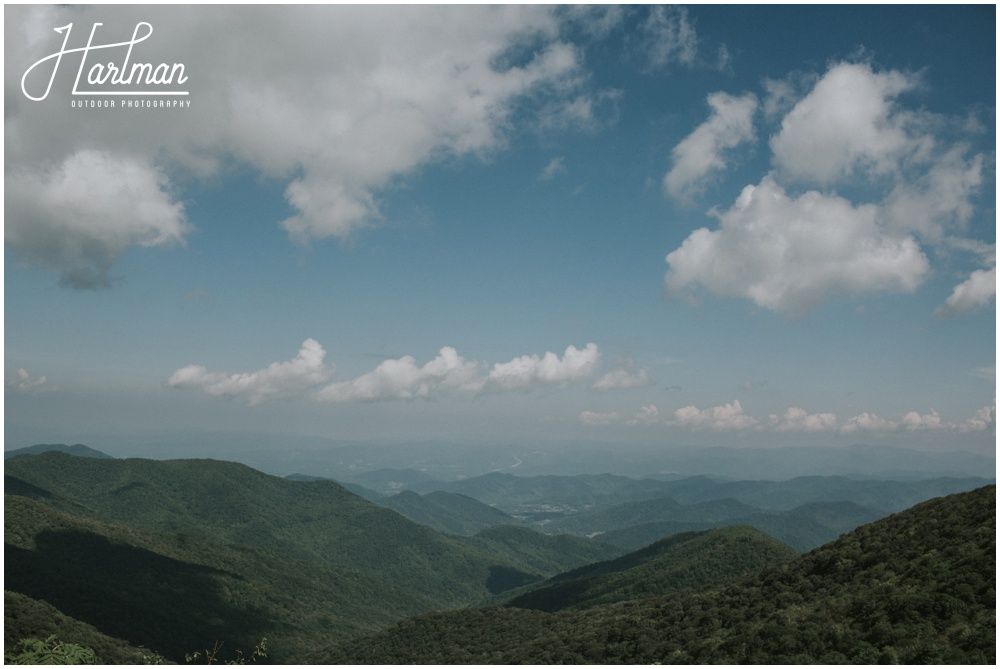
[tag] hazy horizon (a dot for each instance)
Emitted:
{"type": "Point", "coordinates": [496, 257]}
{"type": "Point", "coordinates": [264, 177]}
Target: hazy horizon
{"type": "Point", "coordinates": [650, 226]}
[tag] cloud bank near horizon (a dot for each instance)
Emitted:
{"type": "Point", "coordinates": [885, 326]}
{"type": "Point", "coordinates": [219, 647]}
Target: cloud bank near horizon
{"type": "Point", "coordinates": [401, 378]}
{"type": "Point", "coordinates": [733, 418]}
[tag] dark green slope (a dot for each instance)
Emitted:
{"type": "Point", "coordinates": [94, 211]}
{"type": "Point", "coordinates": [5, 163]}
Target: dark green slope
{"type": "Point", "coordinates": [76, 449]}
{"type": "Point", "coordinates": [229, 502]}
{"type": "Point", "coordinates": [27, 618]}
{"type": "Point", "coordinates": [447, 512]}
{"type": "Point", "coordinates": [917, 587]}
{"type": "Point", "coordinates": [178, 593]}
{"type": "Point", "coordinates": [684, 561]}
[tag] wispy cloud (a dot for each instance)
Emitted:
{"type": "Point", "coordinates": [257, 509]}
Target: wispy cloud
{"type": "Point", "coordinates": [667, 36]}
{"type": "Point", "coordinates": [25, 384]}
{"type": "Point", "coordinates": [556, 166]}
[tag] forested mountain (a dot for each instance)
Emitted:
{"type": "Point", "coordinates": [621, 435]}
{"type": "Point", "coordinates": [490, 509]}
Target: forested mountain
{"type": "Point", "coordinates": [26, 618]}
{"type": "Point", "coordinates": [176, 555]}
{"type": "Point", "coordinates": [542, 553]}
{"type": "Point", "coordinates": [175, 593]}
{"type": "Point", "coordinates": [687, 560]}
{"type": "Point", "coordinates": [448, 512]}
{"type": "Point", "coordinates": [536, 496]}
{"type": "Point", "coordinates": [917, 587]}
{"type": "Point", "coordinates": [229, 502]}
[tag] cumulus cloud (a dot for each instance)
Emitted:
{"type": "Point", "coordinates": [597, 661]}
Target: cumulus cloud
{"type": "Point", "coordinates": [277, 380]}
{"type": "Point", "coordinates": [531, 371]}
{"type": "Point", "coordinates": [869, 422]}
{"type": "Point", "coordinates": [700, 154]}
{"type": "Point", "coordinates": [623, 377]}
{"type": "Point", "coordinates": [938, 201]}
{"type": "Point", "coordinates": [788, 254]}
{"type": "Point", "coordinates": [847, 123]}
{"type": "Point", "coordinates": [799, 420]}
{"type": "Point", "coordinates": [722, 418]}
{"type": "Point", "coordinates": [596, 418]}
{"type": "Point", "coordinates": [344, 102]}
{"type": "Point", "coordinates": [402, 379]}
{"type": "Point", "coordinates": [79, 216]}
{"type": "Point", "coordinates": [647, 415]}
{"type": "Point", "coordinates": [975, 292]}
{"type": "Point", "coordinates": [393, 379]}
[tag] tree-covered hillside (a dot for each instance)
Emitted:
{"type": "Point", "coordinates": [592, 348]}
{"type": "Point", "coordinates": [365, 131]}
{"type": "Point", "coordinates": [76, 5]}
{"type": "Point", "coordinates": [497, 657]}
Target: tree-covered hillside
{"type": "Point", "coordinates": [176, 593]}
{"type": "Point", "coordinates": [917, 587]}
{"type": "Point", "coordinates": [318, 520]}
{"type": "Point", "coordinates": [680, 562]}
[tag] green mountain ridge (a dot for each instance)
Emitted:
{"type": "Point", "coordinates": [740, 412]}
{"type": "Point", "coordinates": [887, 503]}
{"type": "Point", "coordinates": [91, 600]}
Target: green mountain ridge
{"type": "Point", "coordinates": [176, 555]}
{"type": "Point", "coordinates": [916, 587]}
{"type": "Point", "coordinates": [450, 513]}
{"type": "Point", "coordinates": [132, 584]}
{"type": "Point", "coordinates": [679, 562]}
{"type": "Point", "coordinates": [229, 502]}
{"type": "Point", "coordinates": [76, 449]}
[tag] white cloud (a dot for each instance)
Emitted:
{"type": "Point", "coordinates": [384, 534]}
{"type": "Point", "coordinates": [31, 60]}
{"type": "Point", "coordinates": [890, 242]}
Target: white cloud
{"type": "Point", "coordinates": [667, 36]}
{"type": "Point", "coordinates": [531, 371]}
{"type": "Point", "coordinates": [402, 379]}
{"type": "Point", "coordinates": [647, 415]}
{"type": "Point", "coordinates": [914, 421]}
{"type": "Point", "coordinates": [939, 200]}
{"type": "Point", "coordinates": [623, 377]}
{"type": "Point", "coordinates": [846, 124]}
{"type": "Point", "coordinates": [277, 380]}
{"type": "Point", "coordinates": [595, 418]}
{"type": "Point", "coordinates": [867, 421]}
{"type": "Point", "coordinates": [556, 166]}
{"type": "Point", "coordinates": [798, 420]}
{"type": "Point", "coordinates": [700, 154]}
{"type": "Point", "coordinates": [732, 417]}
{"type": "Point", "coordinates": [399, 378]}
{"type": "Point", "coordinates": [981, 421]}
{"type": "Point", "coordinates": [24, 383]}
{"type": "Point", "coordinates": [720, 418]}
{"type": "Point", "coordinates": [341, 104]}
{"type": "Point", "coordinates": [79, 217]}
{"type": "Point", "coordinates": [975, 292]}
{"type": "Point", "coordinates": [789, 254]}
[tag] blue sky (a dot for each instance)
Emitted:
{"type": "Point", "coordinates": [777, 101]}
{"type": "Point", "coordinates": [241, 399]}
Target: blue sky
{"type": "Point", "coordinates": [667, 225]}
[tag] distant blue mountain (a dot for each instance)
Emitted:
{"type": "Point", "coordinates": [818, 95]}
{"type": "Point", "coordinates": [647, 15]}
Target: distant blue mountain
{"type": "Point", "coordinates": [78, 450]}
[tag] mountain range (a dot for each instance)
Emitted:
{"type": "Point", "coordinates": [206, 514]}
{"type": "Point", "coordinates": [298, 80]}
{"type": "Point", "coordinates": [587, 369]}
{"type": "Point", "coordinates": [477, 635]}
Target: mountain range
{"type": "Point", "coordinates": [143, 559]}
